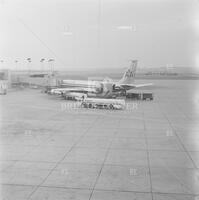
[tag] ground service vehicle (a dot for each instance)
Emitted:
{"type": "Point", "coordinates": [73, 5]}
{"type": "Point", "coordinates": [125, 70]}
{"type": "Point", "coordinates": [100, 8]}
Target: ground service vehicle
{"type": "Point", "coordinates": [3, 87]}
{"type": "Point", "coordinates": [117, 104]}
{"type": "Point", "coordinates": [147, 96]}
{"type": "Point", "coordinates": [140, 96]}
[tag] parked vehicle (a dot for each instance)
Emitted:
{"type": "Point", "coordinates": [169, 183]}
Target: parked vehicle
{"type": "Point", "coordinates": [3, 87]}
{"type": "Point", "coordinates": [140, 95]}
{"type": "Point", "coordinates": [100, 103]}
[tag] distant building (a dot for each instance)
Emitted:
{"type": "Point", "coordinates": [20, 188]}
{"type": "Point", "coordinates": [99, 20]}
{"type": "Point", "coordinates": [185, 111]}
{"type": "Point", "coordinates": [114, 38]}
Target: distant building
{"type": "Point", "coordinates": [36, 78]}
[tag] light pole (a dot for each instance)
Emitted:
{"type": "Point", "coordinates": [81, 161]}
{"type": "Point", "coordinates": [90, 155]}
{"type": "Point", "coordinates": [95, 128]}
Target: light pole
{"type": "Point", "coordinates": [51, 64]}
{"type": "Point", "coordinates": [29, 61]}
{"type": "Point", "coordinates": [16, 61]}
{"type": "Point", "coordinates": [2, 61]}
{"type": "Point", "coordinates": [42, 64]}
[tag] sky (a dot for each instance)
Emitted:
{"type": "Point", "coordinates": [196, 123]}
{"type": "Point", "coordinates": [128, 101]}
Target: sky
{"type": "Point", "coordinates": [99, 34]}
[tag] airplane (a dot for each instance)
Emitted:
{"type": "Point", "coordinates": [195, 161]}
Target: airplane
{"type": "Point", "coordinates": [101, 89]}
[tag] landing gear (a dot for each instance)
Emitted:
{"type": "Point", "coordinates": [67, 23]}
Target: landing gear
{"type": "Point", "coordinates": [90, 105]}
{"type": "Point", "coordinates": [123, 93]}
{"type": "Point", "coordinates": [111, 107]}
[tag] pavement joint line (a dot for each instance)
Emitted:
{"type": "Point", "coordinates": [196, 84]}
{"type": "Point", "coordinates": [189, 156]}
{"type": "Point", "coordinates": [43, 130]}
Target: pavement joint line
{"type": "Point", "coordinates": [186, 116]}
{"type": "Point", "coordinates": [60, 160]}
{"type": "Point", "coordinates": [167, 168]}
{"type": "Point", "coordinates": [148, 159]}
{"type": "Point", "coordinates": [8, 167]}
{"type": "Point", "coordinates": [103, 164]}
{"type": "Point", "coordinates": [95, 164]}
{"type": "Point", "coordinates": [36, 146]}
{"type": "Point", "coordinates": [101, 190]}
{"type": "Point", "coordinates": [151, 150]}
{"type": "Point", "coordinates": [40, 107]}
{"type": "Point", "coordinates": [185, 150]}
{"type": "Point", "coordinates": [177, 178]}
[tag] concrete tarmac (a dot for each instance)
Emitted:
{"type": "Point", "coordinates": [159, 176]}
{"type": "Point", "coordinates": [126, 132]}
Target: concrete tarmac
{"type": "Point", "coordinates": [53, 150]}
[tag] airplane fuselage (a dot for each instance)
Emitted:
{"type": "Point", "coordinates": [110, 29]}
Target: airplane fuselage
{"type": "Point", "coordinates": [81, 83]}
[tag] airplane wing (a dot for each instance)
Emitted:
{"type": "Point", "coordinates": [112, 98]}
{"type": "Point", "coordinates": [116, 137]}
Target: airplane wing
{"type": "Point", "coordinates": [131, 86]}
{"type": "Point", "coordinates": [142, 85]}
{"type": "Point", "coordinates": [77, 89]}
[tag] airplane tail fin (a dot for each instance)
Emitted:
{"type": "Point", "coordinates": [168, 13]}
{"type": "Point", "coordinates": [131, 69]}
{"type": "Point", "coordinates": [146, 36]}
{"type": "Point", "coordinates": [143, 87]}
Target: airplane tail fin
{"type": "Point", "coordinates": [129, 75]}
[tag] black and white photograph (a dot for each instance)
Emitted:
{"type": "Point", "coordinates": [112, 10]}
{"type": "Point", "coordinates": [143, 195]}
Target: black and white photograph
{"type": "Point", "coordinates": [99, 99]}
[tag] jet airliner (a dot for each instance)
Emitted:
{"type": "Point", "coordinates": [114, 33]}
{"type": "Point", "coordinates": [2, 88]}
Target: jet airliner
{"type": "Point", "coordinates": [101, 89]}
